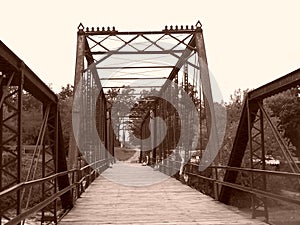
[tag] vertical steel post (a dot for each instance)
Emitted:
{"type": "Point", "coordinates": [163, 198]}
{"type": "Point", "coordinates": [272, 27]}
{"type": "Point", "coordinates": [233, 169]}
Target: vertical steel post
{"type": "Point", "coordinates": [43, 171]}
{"type": "Point", "coordinates": [80, 53]}
{"type": "Point", "coordinates": [63, 181]}
{"type": "Point", "coordinates": [212, 145]}
{"type": "Point", "coordinates": [162, 144]}
{"type": "Point", "coordinates": [19, 131]}
{"type": "Point", "coordinates": [106, 127]}
{"type": "Point", "coordinates": [158, 132]}
{"type": "Point", "coordinates": [200, 120]}
{"type": "Point", "coordinates": [204, 76]}
{"type": "Point", "coordinates": [251, 156]}
{"type": "Point", "coordinates": [73, 154]}
{"type": "Point", "coordinates": [186, 119]}
{"type": "Point", "coordinates": [56, 148]}
{"type": "Point", "coordinates": [207, 95]}
{"type": "Point", "coordinates": [257, 158]}
{"type": "Point", "coordinates": [112, 138]}
{"type": "Point", "coordinates": [176, 124]}
{"type": "Point", "coordinates": [153, 133]}
{"type": "Point", "coordinates": [108, 139]}
{"type": "Point", "coordinates": [141, 144]}
{"type": "Point", "coordinates": [263, 159]}
{"type": "Point", "coordinates": [1, 143]}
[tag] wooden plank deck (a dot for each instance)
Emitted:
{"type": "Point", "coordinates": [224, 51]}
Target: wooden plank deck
{"type": "Point", "coordinates": [166, 202]}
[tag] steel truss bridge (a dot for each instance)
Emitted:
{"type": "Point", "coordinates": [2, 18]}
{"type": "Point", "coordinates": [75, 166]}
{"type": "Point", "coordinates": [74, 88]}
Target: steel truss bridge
{"type": "Point", "coordinates": [123, 81]}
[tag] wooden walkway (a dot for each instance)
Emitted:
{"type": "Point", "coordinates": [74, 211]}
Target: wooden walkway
{"type": "Point", "coordinates": [166, 202]}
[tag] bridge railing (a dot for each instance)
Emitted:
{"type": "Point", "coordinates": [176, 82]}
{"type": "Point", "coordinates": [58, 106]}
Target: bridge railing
{"type": "Point", "coordinates": [84, 175]}
{"type": "Point", "coordinates": [193, 172]}
{"type": "Point", "coordinates": [245, 177]}
{"type": "Point", "coordinates": [211, 180]}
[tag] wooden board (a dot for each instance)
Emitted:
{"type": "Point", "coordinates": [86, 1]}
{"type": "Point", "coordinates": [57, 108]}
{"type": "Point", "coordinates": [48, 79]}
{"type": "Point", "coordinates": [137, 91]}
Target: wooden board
{"type": "Point", "coordinates": [165, 202]}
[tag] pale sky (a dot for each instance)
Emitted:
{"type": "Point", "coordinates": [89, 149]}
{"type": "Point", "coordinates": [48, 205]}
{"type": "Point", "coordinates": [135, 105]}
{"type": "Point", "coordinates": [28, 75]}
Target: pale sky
{"type": "Point", "coordinates": [248, 43]}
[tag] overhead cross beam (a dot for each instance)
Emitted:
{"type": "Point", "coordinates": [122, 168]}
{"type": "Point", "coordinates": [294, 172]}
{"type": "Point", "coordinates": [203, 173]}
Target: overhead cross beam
{"type": "Point", "coordinates": [190, 46]}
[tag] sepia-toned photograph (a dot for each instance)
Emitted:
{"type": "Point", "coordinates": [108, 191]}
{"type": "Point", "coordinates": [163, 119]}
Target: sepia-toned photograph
{"type": "Point", "coordinates": [150, 112]}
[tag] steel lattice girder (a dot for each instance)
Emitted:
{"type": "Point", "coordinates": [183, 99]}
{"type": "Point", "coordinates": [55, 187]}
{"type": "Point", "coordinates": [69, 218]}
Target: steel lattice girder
{"type": "Point", "coordinates": [242, 135]}
{"type": "Point", "coordinates": [16, 74]}
{"type": "Point", "coordinates": [11, 141]}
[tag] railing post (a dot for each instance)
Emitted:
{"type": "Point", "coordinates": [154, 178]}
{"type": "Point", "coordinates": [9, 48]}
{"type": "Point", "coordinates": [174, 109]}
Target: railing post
{"type": "Point", "coordinates": [216, 185]}
{"type": "Point", "coordinates": [1, 141]}
{"type": "Point", "coordinates": [19, 140]}
{"type": "Point", "coordinates": [78, 177]}
{"type": "Point", "coordinates": [88, 180]}
{"type": "Point", "coordinates": [214, 177]}
{"type": "Point", "coordinates": [73, 189]}
{"type": "Point", "coordinates": [153, 134]}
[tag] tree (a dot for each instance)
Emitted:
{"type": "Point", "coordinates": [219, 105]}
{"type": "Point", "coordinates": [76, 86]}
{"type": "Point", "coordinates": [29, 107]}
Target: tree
{"type": "Point", "coordinates": [234, 110]}
{"type": "Point", "coordinates": [65, 97]}
{"type": "Point", "coordinates": [32, 118]}
{"type": "Point", "coordinates": [286, 107]}
{"type": "Point", "coordinates": [66, 93]}
{"type": "Point", "coordinates": [120, 101]}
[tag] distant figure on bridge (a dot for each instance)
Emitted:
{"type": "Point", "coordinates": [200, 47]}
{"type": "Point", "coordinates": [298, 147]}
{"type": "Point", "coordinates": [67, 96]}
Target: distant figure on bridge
{"type": "Point", "coordinates": [145, 163]}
